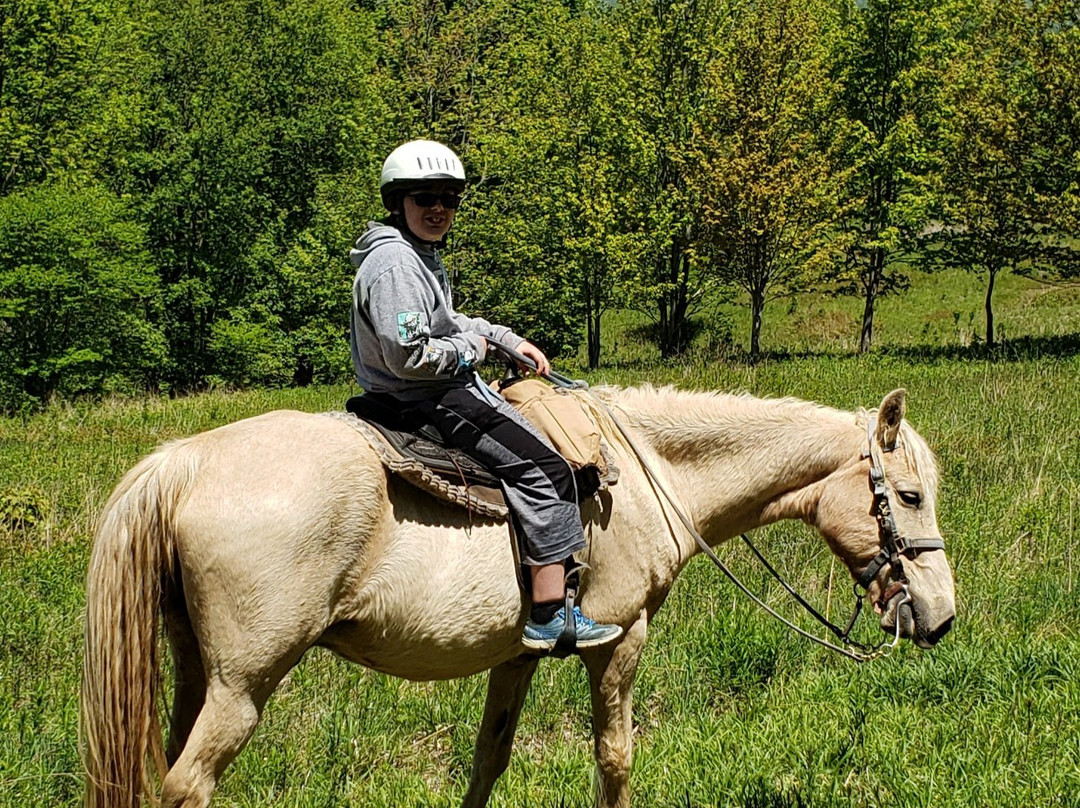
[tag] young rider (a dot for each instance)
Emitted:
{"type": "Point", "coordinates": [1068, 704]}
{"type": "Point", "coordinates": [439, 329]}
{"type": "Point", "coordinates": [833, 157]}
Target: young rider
{"type": "Point", "coordinates": [409, 343]}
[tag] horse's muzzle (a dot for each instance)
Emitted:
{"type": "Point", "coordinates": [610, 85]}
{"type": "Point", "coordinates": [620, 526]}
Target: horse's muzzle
{"type": "Point", "coordinates": [929, 639]}
{"type": "Point", "coordinates": [915, 625]}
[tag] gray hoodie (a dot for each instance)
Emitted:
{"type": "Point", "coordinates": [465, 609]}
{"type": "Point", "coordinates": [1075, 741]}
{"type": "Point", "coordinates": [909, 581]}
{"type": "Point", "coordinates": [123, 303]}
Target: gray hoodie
{"type": "Point", "coordinates": [406, 338]}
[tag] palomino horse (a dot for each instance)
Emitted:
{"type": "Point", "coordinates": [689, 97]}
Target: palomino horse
{"type": "Point", "coordinates": [264, 538]}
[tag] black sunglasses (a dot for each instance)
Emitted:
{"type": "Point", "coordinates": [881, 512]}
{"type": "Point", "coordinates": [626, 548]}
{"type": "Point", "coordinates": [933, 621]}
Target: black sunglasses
{"type": "Point", "coordinates": [427, 199]}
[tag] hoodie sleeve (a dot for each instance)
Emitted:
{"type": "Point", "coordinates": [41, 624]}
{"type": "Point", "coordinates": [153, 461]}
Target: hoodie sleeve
{"type": "Point", "coordinates": [478, 325]}
{"type": "Point", "coordinates": [401, 308]}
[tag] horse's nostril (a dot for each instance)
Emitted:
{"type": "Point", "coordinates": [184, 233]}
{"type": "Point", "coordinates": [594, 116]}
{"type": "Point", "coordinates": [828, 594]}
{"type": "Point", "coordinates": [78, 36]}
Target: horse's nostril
{"type": "Point", "coordinates": [933, 636]}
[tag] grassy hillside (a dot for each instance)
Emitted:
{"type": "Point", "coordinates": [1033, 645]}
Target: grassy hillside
{"type": "Point", "coordinates": [942, 314]}
{"type": "Point", "coordinates": [730, 708]}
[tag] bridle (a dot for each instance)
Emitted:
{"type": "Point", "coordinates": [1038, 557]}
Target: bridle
{"type": "Point", "coordinates": [893, 545]}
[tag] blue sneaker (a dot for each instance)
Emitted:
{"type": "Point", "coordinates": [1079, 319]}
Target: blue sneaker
{"type": "Point", "coordinates": [542, 636]}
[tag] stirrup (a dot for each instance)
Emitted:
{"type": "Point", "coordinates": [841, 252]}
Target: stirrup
{"type": "Point", "coordinates": [566, 643]}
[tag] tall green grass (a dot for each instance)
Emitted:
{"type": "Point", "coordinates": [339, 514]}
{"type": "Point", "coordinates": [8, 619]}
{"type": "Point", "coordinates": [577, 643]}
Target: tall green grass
{"type": "Point", "coordinates": [730, 709]}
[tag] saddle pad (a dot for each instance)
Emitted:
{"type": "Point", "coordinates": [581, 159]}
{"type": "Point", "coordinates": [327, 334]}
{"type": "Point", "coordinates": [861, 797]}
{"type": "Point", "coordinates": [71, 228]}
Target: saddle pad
{"type": "Point", "coordinates": [459, 479]}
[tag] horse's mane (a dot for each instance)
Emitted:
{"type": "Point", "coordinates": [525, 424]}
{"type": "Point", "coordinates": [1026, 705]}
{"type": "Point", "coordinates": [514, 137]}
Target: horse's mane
{"type": "Point", "coordinates": [697, 402]}
{"type": "Point", "coordinates": [678, 418]}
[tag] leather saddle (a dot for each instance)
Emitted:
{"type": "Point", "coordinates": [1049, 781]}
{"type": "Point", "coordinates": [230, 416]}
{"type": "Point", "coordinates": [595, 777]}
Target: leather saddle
{"type": "Point", "coordinates": [415, 450]}
{"type": "Point", "coordinates": [419, 440]}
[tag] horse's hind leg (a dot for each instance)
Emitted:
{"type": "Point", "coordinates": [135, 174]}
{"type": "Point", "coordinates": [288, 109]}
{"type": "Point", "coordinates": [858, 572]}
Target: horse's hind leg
{"type": "Point", "coordinates": [507, 686]}
{"type": "Point", "coordinates": [241, 670]}
{"type": "Point", "coordinates": [225, 723]}
{"type": "Point", "coordinates": [189, 688]}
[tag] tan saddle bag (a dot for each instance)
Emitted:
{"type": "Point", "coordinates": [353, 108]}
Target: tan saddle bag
{"type": "Point", "coordinates": [559, 416]}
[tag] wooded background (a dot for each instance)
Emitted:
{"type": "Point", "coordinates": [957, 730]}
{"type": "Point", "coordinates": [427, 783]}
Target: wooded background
{"type": "Point", "coordinates": [180, 180]}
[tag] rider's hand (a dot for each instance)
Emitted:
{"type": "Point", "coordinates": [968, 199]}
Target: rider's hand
{"type": "Point", "coordinates": [526, 348]}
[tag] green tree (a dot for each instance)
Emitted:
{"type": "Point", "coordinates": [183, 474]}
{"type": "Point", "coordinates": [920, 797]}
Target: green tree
{"type": "Point", "coordinates": [1055, 53]}
{"type": "Point", "coordinates": [889, 67]}
{"type": "Point", "coordinates": [768, 195]}
{"type": "Point", "coordinates": [436, 52]}
{"type": "Point", "coordinates": [669, 48]}
{"type": "Point", "coordinates": [581, 186]}
{"type": "Point", "coordinates": [523, 104]}
{"type": "Point", "coordinates": [1000, 181]}
{"type": "Point", "coordinates": [506, 247]}
{"type": "Point", "coordinates": [247, 108]}
{"type": "Point", "coordinates": [79, 300]}
{"type": "Point", "coordinates": [48, 84]}
{"type": "Point", "coordinates": [1056, 59]}
{"type": "Point", "coordinates": [1009, 177]}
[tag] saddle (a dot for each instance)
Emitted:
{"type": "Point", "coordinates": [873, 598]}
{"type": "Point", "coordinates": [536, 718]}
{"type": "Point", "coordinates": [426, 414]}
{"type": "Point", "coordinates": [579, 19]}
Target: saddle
{"type": "Point", "coordinates": [416, 452]}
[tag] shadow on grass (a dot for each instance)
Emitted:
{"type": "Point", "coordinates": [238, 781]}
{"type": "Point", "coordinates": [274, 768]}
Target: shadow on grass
{"type": "Point", "coordinates": [757, 794]}
{"type": "Point", "coordinates": [1012, 350]}
{"type": "Point", "coordinates": [761, 794]}
{"type": "Point", "coordinates": [1023, 349]}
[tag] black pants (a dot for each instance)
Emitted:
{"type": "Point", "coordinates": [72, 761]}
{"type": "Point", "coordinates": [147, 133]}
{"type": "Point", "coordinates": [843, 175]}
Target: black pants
{"type": "Point", "coordinates": [537, 482]}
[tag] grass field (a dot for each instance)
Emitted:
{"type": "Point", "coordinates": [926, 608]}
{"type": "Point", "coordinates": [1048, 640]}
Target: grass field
{"type": "Point", "coordinates": [730, 708]}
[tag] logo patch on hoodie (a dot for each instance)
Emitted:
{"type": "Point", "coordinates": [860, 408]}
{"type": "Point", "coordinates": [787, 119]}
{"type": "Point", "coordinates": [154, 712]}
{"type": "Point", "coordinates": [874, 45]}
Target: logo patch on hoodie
{"type": "Point", "coordinates": [410, 325]}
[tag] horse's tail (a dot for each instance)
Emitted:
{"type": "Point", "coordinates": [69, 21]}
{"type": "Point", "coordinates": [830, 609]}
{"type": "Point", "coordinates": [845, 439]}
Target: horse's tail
{"type": "Point", "coordinates": [132, 567]}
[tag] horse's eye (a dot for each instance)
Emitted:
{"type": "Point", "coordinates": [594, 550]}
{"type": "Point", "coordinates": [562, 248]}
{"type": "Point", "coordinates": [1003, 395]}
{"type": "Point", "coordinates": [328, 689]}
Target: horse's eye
{"type": "Point", "coordinates": [912, 498]}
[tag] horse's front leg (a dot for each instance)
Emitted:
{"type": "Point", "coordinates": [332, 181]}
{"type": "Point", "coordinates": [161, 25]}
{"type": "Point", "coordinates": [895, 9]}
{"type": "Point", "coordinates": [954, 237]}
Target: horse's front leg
{"type": "Point", "coordinates": [611, 678]}
{"type": "Point", "coordinates": [507, 685]}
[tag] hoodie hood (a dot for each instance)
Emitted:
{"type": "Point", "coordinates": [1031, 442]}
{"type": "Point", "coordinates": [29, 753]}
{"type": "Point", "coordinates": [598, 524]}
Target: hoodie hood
{"type": "Point", "coordinates": [379, 234]}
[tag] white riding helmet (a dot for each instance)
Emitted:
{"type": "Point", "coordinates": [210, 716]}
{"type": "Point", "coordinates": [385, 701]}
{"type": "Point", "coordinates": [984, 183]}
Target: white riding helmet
{"type": "Point", "coordinates": [417, 162]}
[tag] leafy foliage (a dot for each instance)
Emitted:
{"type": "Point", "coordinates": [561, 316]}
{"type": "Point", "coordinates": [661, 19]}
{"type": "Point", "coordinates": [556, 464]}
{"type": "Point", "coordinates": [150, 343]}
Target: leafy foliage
{"type": "Point", "coordinates": [1001, 197]}
{"type": "Point", "coordinates": [46, 58]}
{"type": "Point", "coordinates": [768, 196]}
{"type": "Point", "coordinates": [213, 161]}
{"type": "Point", "coordinates": [670, 46]}
{"type": "Point", "coordinates": [890, 69]}
{"type": "Point", "coordinates": [78, 295]}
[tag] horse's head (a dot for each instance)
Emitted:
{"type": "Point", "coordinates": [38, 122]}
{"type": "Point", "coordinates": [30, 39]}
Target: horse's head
{"type": "Point", "coordinates": [879, 516]}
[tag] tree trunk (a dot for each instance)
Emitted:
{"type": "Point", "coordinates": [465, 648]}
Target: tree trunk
{"type": "Point", "coordinates": [663, 323]}
{"type": "Point", "coordinates": [757, 306]}
{"type": "Point", "coordinates": [866, 336]}
{"type": "Point", "coordinates": [674, 304]}
{"type": "Point", "coordinates": [593, 337]}
{"type": "Point", "coordinates": [990, 308]}
{"type": "Point", "coordinates": [873, 281]}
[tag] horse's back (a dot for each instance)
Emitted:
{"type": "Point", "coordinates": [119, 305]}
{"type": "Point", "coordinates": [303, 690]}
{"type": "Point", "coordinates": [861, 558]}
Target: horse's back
{"type": "Point", "coordinates": [284, 472]}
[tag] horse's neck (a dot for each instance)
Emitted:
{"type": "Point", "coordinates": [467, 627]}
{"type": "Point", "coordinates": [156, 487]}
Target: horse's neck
{"type": "Point", "coordinates": [730, 459]}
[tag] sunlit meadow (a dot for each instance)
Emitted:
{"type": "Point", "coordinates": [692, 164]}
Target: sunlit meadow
{"type": "Point", "coordinates": [730, 709]}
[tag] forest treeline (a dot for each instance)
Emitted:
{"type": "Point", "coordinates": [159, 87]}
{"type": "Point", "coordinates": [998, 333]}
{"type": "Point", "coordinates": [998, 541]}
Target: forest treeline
{"type": "Point", "coordinates": [180, 180]}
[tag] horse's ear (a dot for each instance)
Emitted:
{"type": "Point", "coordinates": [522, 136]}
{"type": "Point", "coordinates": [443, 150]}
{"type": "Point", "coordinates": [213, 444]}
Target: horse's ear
{"type": "Point", "coordinates": [890, 414]}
